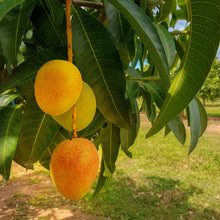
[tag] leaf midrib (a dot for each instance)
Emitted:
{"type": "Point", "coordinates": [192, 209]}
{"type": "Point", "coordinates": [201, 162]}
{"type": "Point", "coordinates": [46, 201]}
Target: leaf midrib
{"type": "Point", "coordinates": [36, 137]}
{"type": "Point", "coordinates": [98, 65]}
{"type": "Point", "coordinates": [6, 135]}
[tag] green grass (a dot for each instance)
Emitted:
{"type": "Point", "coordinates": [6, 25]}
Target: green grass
{"type": "Point", "coordinates": [213, 111]}
{"type": "Point", "coordinates": [162, 181]}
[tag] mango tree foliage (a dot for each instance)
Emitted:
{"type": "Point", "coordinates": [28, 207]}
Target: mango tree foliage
{"type": "Point", "coordinates": [131, 55]}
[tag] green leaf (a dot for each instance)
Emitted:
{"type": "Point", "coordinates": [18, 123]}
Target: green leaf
{"type": "Point", "coordinates": [37, 132]}
{"type": "Point", "coordinates": [97, 122]}
{"type": "Point", "coordinates": [28, 69]}
{"type": "Point", "coordinates": [121, 31]}
{"type": "Point", "coordinates": [168, 44]}
{"type": "Point", "coordinates": [6, 6]}
{"type": "Point", "coordinates": [12, 28]}
{"type": "Point", "coordinates": [176, 125]}
{"type": "Point", "coordinates": [147, 31]}
{"type": "Point", "coordinates": [194, 124]}
{"type": "Point", "coordinates": [98, 60]}
{"type": "Point", "coordinates": [46, 28]}
{"type": "Point", "coordinates": [10, 123]}
{"type": "Point", "coordinates": [110, 141]}
{"type": "Point", "coordinates": [102, 180]}
{"type": "Point", "coordinates": [56, 10]}
{"type": "Point", "coordinates": [178, 128]}
{"type": "Point", "coordinates": [6, 98]}
{"type": "Point", "coordinates": [203, 117]}
{"type": "Point", "coordinates": [166, 8]}
{"type": "Point", "coordinates": [202, 47]}
{"type": "Point", "coordinates": [61, 136]}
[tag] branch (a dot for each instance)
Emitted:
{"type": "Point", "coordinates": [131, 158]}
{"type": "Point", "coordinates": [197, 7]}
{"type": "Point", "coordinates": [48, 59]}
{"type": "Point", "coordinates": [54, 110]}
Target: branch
{"type": "Point", "coordinates": [179, 32]}
{"type": "Point", "coordinates": [88, 4]}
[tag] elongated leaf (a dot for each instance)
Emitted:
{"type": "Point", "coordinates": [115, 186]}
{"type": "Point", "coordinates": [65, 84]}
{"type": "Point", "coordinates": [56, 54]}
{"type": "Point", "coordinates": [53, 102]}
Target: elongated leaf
{"type": "Point", "coordinates": [10, 124]}
{"type": "Point", "coordinates": [102, 180]}
{"type": "Point", "coordinates": [168, 44]}
{"type": "Point", "coordinates": [147, 31]}
{"type": "Point", "coordinates": [56, 10]}
{"type": "Point", "coordinates": [37, 132]}
{"type": "Point", "coordinates": [50, 31]}
{"type": "Point", "coordinates": [98, 60]}
{"type": "Point", "coordinates": [110, 141]}
{"type": "Point", "coordinates": [166, 8]}
{"type": "Point", "coordinates": [176, 125]}
{"type": "Point", "coordinates": [202, 48]}
{"type": "Point", "coordinates": [6, 98]}
{"type": "Point", "coordinates": [28, 69]}
{"type": "Point", "coordinates": [194, 124]}
{"type": "Point", "coordinates": [121, 31]}
{"type": "Point", "coordinates": [203, 117]}
{"type": "Point", "coordinates": [97, 122]}
{"type": "Point", "coordinates": [12, 28]}
{"type": "Point", "coordinates": [61, 135]}
{"type": "Point", "coordinates": [6, 6]}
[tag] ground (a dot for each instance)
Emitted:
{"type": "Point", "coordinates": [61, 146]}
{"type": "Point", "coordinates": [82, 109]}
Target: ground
{"type": "Point", "coordinates": [32, 195]}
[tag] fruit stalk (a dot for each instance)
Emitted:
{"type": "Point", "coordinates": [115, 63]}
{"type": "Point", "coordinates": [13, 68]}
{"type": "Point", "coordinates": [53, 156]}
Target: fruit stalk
{"type": "Point", "coordinates": [70, 54]}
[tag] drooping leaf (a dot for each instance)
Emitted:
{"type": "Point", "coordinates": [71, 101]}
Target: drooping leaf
{"type": "Point", "coordinates": [176, 125]}
{"type": "Point", "coordinates": [46, 28]}
{"type": "Point", "coordinates": [203, 117]}
{"type": "Point", "coordinates": [121, 31]}
{"type": "Point", "coordinates": [168, 44]}
{"type": "Point", "coordinates": [60, 136]}
{"type": "Point", "coordinates": [110, 141]}
{"type": "Point", "coordinates": [201, 51]}
{"type": "Point", "coordinates": [98, 60]}
{"type": "Point", "coordinates": [6, 6]}
{"type": "Point", "coordinates": [56, 10]}
{"type": "Point", "coordinates": [94, 126]}
{"type": "Point", "coordinates": [102, 180]}
{"type": "Point", "coordinates": [194, 124]}
{"type": "Point", "coordinates": [28, 69]}
{"type": "Point", "coordinates": [147, 31]}
{"type": "Point", "coordinates": [12, 28]}
{"type": "Point", "coordinates": [6, 98]}
{"type": "Point", "coordinates": [10, 124]}
{"type": "Point", "coordinates": [166, 8]}
{"type": "Point", "coordinates": [37, 132]}
{"type": "Point", "coordinates": [178, 128]}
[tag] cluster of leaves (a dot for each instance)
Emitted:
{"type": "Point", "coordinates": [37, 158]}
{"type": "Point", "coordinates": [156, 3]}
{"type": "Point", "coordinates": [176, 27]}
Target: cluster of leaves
{"type": "Point", "coordinates": [210, 90]}
{"type": "Point", "coordinates": [111, 46]}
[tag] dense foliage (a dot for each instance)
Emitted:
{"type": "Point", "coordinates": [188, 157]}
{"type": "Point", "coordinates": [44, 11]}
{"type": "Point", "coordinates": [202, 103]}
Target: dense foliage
{"type": "Point", "coordinates": [125, 50]}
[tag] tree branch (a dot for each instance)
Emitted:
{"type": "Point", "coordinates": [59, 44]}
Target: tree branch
{"type": "Point", "coordinates": [144, 79]}
{"type": "Point", "coordinates": [88, 4]}
{"type": "Point", "coordinates": [179, 32]}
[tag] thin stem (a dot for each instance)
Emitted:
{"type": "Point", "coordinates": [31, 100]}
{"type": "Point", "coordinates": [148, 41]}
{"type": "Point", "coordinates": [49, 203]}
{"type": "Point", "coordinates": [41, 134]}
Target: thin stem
{"type": "Point", "coordinates": [70, 54]}
{"type": "Point", "coordinates": [88, 4]}
{"type": "Point", "coordinates": [69, 31]}
{"type": "Point", "coordinates": [179, 32]}
{"type": "Point", "coordinates": [74, 122]}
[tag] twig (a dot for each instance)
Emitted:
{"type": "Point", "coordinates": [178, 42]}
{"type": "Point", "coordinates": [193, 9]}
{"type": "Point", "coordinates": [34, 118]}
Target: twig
{"type": "Point", "coordinates": [179, 32]}
{"type": "Point", "coordinates": [88, 4]}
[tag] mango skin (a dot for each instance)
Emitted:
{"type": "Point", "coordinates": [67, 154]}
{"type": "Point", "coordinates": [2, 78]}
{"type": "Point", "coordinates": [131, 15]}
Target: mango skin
{"type": "Point", "coordinates": [58, 85]}
{"type": "Point", "coordinates": [85, 111]}
{"type": "Point", "coordinates": [74, 166]}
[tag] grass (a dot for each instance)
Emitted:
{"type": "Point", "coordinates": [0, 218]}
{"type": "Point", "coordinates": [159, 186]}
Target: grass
{"type": "Point", "coordinates": [162, 181]}
{"type": "Point", "coordinates": [213, 111]}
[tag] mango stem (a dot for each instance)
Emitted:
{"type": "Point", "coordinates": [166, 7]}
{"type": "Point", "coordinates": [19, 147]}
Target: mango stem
{"type": "Point", "coordinates": [70, 54]}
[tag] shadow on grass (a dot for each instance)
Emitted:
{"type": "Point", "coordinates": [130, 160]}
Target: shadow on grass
{"type": "Point", "coordinates": [156, 198]}
{"type": "Point", "coordinates": [124, 198]}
